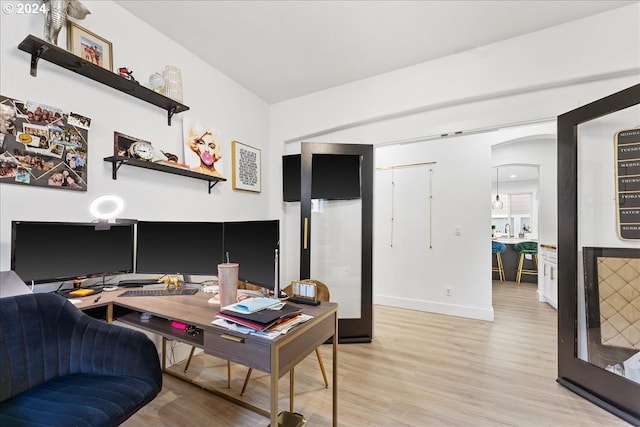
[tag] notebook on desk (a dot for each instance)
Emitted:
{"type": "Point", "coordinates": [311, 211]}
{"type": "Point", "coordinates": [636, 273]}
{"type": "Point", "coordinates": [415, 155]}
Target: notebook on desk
{"type": "Point", "coordinates": [252, 305]}
{"type": "Point", "coordinates": [261, 320]}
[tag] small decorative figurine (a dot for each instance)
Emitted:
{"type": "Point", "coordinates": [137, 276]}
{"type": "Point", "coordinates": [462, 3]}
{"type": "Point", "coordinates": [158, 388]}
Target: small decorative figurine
{"type": "Point", "coordinates": [171, 281]}
{"type": "Point", "coordinates": [126, 74]}
{"type": "Point", "coordinates": [56, 16]}
{"type": "Point", "coordinates": [169, 156]}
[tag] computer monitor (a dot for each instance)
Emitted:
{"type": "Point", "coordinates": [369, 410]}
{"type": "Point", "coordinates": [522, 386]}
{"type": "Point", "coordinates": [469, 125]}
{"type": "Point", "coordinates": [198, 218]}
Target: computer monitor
{"type": "Point", "coordinates": [183, 248]}
{"type": "Point", "coordinates": [43, 252]}
{"type": "Point", "coordinates": [253, 245]}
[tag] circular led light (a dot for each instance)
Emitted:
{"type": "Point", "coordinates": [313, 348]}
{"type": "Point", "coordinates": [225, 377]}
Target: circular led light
{"type": "Point", "coordinates": [106, 207]}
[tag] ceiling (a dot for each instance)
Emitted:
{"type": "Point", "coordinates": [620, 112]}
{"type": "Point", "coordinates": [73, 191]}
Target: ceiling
{"type": "Point", "coordinates": [285, 49]}
{"type": "Point", "coordinates": [514, 172]}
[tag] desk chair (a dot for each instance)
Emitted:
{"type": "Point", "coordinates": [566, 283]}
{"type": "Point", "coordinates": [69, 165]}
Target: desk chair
{"type": "Point", "coordinates": [524, 248]}
{"type": "Point", "coordinates": [497, 249]}
{"type": "Point", "coordinates": [62, 367]}
{"type": "Point", "coordinates": [323, 295]}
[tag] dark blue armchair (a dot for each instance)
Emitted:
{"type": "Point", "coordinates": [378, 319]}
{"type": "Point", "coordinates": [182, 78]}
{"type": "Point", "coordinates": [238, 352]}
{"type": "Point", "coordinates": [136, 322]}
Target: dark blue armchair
{"type": "Point", "coordinates": [59, 366]}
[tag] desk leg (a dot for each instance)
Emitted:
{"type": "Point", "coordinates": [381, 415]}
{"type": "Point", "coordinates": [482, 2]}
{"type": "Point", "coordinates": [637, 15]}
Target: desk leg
{"type": "Point", "coordinates": [164, 354]}
{"type": "Point", "coordinates": [110, 313]}
{"type": "Point", "coordinates": [292, 379]}
{"type": "Point", "coordinates": [335, 372]}
{"type": "Point", "coordinates": [275, 374]}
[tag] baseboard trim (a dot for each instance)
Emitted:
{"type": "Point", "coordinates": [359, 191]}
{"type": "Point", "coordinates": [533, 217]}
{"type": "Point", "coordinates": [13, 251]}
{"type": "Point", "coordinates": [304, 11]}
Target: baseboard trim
{"type": "Point", "coordinates": [436, 307]}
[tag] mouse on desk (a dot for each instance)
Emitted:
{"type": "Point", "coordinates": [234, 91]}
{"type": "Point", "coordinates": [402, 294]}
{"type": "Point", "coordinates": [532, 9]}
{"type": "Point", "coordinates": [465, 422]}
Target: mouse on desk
{"type": "Point", "coordinates": [214, 299]}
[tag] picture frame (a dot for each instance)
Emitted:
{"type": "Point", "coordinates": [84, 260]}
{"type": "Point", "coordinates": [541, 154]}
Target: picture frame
{"type": "Point", "coordinates": [89, 46]}
{"type": "Point", "coordinates": [122, 145]}
{"type": "Point", "coordinates": [246, 173]}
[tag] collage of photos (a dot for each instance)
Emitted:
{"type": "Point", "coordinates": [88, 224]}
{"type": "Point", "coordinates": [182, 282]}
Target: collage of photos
{"type": "Point", "coordinates": [42, 145]}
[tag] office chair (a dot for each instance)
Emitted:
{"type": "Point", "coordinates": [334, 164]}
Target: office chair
{"type": "Point", "coordinates": [323, 295]}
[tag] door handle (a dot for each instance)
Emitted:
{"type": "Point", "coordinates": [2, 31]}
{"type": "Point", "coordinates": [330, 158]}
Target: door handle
{"type": "Point", "coordinates": [306, 234]}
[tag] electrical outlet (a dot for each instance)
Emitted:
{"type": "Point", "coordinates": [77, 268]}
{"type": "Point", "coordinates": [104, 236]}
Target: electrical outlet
{"type": "Point", "coordinates": [458, 230]}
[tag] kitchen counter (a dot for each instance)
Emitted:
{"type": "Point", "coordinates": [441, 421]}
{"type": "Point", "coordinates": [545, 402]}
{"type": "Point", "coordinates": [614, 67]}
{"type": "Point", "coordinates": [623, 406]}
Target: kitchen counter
{"type": "Point", "coordinates": [512, 240]}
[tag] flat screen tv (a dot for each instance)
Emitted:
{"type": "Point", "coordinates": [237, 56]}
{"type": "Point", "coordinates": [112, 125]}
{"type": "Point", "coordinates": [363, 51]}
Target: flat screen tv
{"type": "Point", "coordinates": [44, 252]}
{"type": "Point", "coordinates": [179, 247]}
{"type": "Point", "coordinates": [253, 245]}
{"type": "Point", "coordinates": [333, 177]}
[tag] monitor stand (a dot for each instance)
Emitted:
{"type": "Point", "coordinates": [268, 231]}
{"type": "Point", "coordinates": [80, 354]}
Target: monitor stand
{"type": "Point", "coordinates": [276, 280]}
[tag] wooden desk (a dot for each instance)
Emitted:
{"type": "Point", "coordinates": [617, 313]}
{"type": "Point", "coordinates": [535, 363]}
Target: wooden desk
{"type": "Point", "coordinates": [276, 357]}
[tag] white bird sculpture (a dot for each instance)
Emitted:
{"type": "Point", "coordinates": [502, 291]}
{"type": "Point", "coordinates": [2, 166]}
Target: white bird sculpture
{"type": "Point", "coordinates": [56, 16]}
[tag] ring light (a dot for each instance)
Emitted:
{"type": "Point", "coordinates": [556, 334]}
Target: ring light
{"type": "Point", "coordinates": [106, 207]}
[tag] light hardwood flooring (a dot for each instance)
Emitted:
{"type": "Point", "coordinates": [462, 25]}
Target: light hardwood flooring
{"type": "Point", "coordinates": [421, 369]}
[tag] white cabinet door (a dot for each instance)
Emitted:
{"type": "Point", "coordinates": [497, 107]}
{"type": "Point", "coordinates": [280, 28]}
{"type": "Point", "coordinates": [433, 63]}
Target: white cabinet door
{"type": "Point", "coordinates": [548, 280]}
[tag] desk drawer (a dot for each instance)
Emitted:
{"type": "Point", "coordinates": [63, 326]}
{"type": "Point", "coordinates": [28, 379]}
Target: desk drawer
{"type": "Point", "coordinates": [238, 348]}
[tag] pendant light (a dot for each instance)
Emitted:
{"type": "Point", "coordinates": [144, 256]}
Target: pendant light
{"type": "Point", "coordinates": [497, 203]}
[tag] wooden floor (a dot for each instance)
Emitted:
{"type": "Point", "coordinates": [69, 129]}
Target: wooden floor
{"type": "Point", "coordinates": [421, 369]}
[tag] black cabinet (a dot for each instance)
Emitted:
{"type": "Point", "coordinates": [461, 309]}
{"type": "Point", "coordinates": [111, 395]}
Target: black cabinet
{"type": "Point", "coordinates": [341, 251]}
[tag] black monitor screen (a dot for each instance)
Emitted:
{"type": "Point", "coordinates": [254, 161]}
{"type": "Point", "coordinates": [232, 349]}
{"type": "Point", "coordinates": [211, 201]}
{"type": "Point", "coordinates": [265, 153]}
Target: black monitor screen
{"type": "Point", "coordinates": [333, 177]}
{"type": "Point", "coordinates": [252, 244]}
{"type": "Point", "coordinates": [49, 251]}
{"type": "Point", "coordinates": [179, 247]}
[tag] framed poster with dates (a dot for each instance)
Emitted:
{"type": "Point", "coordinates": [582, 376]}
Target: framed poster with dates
{"type": "Point", "coordinates": [627, 158]}
{"type": "Point", "coordinates": [42, 146]}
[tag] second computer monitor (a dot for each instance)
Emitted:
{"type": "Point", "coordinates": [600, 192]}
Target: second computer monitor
{"type": "Point", "coordinates": [253, 245]}
{"type": "Point", "coordinates": [191, 248]}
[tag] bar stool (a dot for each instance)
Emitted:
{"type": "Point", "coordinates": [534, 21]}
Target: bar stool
{"type": "Point", "coordinates": [524, 248]}
{"type": "Point", "coordinates": [497, 249]}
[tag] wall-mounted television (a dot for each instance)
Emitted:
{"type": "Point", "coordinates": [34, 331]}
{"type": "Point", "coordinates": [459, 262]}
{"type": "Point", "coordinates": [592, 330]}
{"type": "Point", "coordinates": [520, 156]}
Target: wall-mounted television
{"type": "Point", "coordinates": [44, 252]}
{"type": "Point", "coordinates": [333, 177]}
{"type": "Point", "coordinates": [179, 247]}
{"type": "Point", "coordinates": [253, 245]}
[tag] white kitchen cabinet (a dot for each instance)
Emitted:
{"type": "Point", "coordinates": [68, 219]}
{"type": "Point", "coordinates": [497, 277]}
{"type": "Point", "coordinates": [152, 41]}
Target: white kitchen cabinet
{"type": "Point", "coordinates": [548, 280]}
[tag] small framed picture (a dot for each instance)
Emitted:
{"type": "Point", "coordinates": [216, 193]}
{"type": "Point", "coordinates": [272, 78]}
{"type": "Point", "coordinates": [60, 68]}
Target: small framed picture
{"type": "Point", "coordinates": [89, 46]}
{"type": "Point", "coordinates": [246, 167]}
{"type": "Point", "coordinates": [132, 147]}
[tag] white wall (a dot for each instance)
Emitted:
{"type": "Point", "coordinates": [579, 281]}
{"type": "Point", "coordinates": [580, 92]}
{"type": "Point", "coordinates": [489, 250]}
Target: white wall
{"type": "Point", "coordinates": [428, 259]}
{"type": "Point", "coordinates": [213, 98]}
{"type": "Point", "coordinates": [526, 79]}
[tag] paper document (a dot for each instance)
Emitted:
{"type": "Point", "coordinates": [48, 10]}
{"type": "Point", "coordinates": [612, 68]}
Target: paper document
{"type": "Point", "coordinates": [252, 305]}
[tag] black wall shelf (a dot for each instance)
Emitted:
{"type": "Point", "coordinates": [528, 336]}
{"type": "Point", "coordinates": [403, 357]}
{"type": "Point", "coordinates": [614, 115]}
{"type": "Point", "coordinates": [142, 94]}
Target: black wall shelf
{"type": "Point", "coordinates": [39, 48]}
{"type": "Point", "coordinates": [117, 161]}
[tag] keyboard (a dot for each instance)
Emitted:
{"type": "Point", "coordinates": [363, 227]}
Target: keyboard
{"type": "Point", "coordinates": [136, 283]}
{"type": "Point", "coordinates": [158, 292]}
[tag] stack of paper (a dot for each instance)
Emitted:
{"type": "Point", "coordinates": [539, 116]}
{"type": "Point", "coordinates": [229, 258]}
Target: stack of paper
{"type": "Point", "coordinates": [252, 305]}
{"type": "Point", "coordinates": [258, 315]}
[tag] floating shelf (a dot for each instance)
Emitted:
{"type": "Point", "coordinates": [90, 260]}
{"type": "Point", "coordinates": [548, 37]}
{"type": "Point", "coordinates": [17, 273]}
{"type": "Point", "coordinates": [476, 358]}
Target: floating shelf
{"type": "Point", "coordinates": [117, 161]}
{"type": "Point", "coordinates": [39, 48]}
